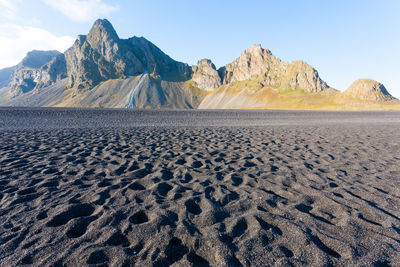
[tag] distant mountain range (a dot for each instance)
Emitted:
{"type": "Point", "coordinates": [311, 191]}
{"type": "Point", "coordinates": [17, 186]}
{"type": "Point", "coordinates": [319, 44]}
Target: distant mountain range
{"type": "Point", "coordinates": [102, 70]}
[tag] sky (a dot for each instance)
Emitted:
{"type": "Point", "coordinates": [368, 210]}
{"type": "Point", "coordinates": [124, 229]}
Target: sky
{"type": "Point", "coordinates": [343, 39]}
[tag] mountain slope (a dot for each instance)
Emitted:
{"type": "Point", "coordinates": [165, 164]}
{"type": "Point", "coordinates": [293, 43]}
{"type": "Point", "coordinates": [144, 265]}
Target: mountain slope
{"type": "Point", "coordinates": [41, 97]}
{"type": "Point", "coordinates": [142, 91]}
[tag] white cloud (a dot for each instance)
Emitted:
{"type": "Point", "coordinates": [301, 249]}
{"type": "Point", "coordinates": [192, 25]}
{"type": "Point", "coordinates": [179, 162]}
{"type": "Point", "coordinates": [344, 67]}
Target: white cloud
{"type": "Point", "coordinates": [82, 10]}
{"type": "Point", "coordinates": [16, 41]}
{"type": "Point", "coordinates": [8, 9]}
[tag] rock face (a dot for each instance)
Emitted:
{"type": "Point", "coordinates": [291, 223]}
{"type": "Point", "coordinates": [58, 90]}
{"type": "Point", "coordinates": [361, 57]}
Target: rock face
{"type": "Point", "coordinates": [205, 75]}
{"type": "Point", "coordinates": [102, 55]}
{"type": "Point", "coordinates": [300, 75]}
{"type": "Point", "coordinates": [37, 70]}
{"type": "Point", "coordinates": [53, 71]}
{"type": "Point", "coordinates": [369, 90]}
{"type": "Point", "coordinates": [258, 63]}
{"type": "Point", "coordinates": [252, 62]}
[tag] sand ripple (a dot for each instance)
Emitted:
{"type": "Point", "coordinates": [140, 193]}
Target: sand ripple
{"type": "Point", "coordinates": [201, 196]}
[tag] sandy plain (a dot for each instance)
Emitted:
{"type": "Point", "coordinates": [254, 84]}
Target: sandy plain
{"type": "Point", "coordinates": [98, 187]}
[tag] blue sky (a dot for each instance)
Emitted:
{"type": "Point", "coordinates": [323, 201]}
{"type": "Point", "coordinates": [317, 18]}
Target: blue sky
{"type": "Point", "coordinates": [343, 40]}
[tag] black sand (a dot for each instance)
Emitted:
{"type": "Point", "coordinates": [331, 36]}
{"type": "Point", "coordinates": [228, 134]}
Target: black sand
{"type": "Point", "coordinates": [239, 188]}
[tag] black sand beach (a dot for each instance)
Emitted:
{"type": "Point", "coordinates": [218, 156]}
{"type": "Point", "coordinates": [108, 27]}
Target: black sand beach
{"type": "Point", "coordinates": [199, 188]}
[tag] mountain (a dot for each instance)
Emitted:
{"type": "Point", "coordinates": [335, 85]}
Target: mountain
{"type": "Point", "coordinates": [257, 78]}
{"type": "Point", "coordinates": [37, 70]}
{"type": "Point", "coordinates": [102, 70]}
{"type": "Point", "coordinates": [102, 55]}
{"type": "Point", "coordinates": [256, 61]}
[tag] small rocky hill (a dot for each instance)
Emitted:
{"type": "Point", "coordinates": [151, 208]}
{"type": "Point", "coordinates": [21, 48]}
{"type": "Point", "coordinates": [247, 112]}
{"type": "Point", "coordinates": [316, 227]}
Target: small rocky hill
{"type": "Point", "coordinates": [369, 90]}
{"type": "Point", "coordinates": [205, 75]}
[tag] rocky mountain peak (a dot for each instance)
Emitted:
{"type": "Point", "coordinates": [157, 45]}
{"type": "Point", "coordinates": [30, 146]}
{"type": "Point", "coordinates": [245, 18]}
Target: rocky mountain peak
{"type": "Point", "coordinates": [205, 75]}
{"type": "Point", "coordinates": [103, 38]}
{"type": "Point", "coordinates": [254, 50]}
{"type": "Point", "coordinates": [252, 62]}
{"type": "Point", "coordinates": [202, 63]}
{"type": "Point", "coordinates": [102, 28]}
{"type": "Point", "coordinates": [255, 54]}
{"type": "Point", "coordinates": [300, 75]}
{"type": "Point", "coordinates": [367, 89]}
